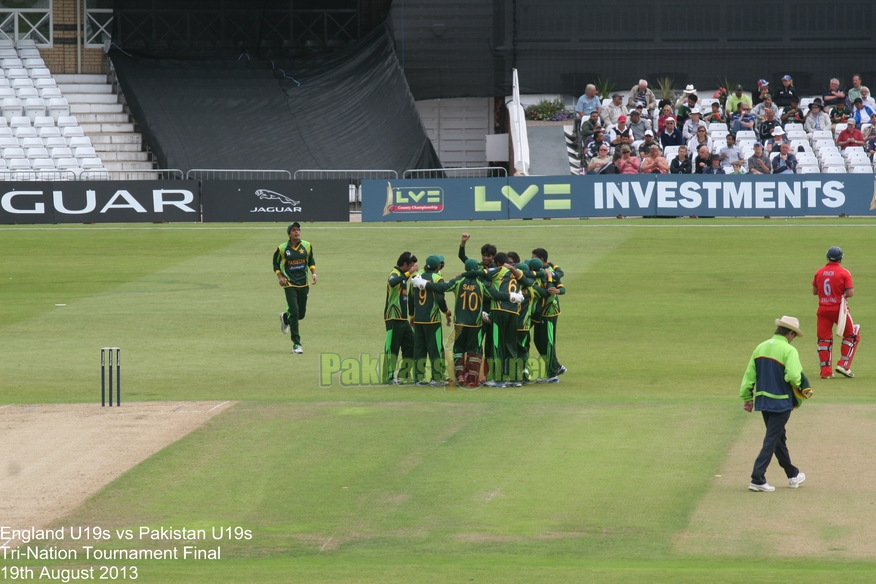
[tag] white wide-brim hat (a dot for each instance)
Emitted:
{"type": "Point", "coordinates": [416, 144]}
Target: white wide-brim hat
{"type": "Point", "coordinates": [690, 89]}
{"type": "Point", "coordinates": [789, 322]}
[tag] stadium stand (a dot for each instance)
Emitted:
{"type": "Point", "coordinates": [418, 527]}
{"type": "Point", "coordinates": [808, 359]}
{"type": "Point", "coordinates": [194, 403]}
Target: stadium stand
{"type": "Point", "coordinates": [32, 109]}
{"type": "Point", "coordinates": [352, 110]}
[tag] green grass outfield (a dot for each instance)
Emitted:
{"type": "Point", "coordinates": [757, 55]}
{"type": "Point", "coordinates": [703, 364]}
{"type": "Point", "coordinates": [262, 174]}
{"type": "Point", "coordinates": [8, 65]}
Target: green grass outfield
{"type": "Point", "coordinates": [590, 480]}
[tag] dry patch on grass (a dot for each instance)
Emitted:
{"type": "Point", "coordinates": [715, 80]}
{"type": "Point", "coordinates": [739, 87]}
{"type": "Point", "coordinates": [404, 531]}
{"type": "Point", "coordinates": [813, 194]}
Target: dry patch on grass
{"type": "Point", "coordinates": [831, 515]}
{"type": "Point", "coordinates": [54, 456]}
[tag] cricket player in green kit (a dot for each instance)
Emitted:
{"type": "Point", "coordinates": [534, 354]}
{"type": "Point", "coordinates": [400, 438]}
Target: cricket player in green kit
{"type": "Point", "coordinates": [469, 290]}
{"type": "Point", "coordinates": [544, 317]}
{"type": "Point", "coordinates": [399, 336]}
{"type": "Point", "coordinates": [292, 259]}
{"type": "Point", "coordinates": [503, 315]}
{"type": "Point", "coordinates": [425, 310]}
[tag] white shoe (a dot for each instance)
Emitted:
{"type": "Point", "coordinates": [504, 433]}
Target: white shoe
{"type": "Point", "coordinates": [843, 371]}
{"type": "Point", "coordinates": [761, 488]}
{"type": "Point", "coordinates": [297, 349]}
{"type": "Point", "coordinates": [284, 326]}
{"type": "Point", "coordinates": [795, 481]}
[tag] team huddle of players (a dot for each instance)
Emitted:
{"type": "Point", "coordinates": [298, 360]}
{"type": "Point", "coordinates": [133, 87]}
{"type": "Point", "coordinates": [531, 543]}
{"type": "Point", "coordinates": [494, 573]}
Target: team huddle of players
{"type": "Point", "coordinates": [503, 306]}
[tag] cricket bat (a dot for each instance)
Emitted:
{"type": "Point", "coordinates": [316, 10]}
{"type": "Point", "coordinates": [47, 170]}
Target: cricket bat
{"type": "Point", "coordinates": [448, 358]}
{"type": "Point", "coordinates": [841, 321]}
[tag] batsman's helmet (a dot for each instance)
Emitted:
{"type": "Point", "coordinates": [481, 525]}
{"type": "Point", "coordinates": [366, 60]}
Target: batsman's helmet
{"type": "Point", "coordinates": [834, 254]}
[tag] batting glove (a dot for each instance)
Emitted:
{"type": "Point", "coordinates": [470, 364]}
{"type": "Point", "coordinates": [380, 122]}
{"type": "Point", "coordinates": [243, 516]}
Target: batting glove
{"type": "Point", "coordinates": [486, 317]}
{"type": "Point", "coordinates": [516, 297]}
{"type": "Point", "coordinates": [419, 282]}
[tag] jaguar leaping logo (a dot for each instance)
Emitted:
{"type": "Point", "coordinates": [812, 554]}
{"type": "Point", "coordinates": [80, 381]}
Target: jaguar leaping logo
{"type": "Point", "coordinates": [267, 194]}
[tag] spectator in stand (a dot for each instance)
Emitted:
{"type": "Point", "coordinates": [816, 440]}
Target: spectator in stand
{"type": "Point", "coordinates": [785, 162]}
{"type": "Point", "coordinates": [786, 92]}
{"type": "Point", "coordinates": [865, 97]}
{"type": "Point", "coordinates": [716, 117]}
{"type": "Point", "coordinates": [645, 146]}
{"type": "Point", "coordinates": [738, 167]}
{"type": "Point", "coordinates": [693, 122]}
{"type": "Point", "coordinates": [586, 132]}
{"type": "Point", "coordinates": [703, 160]}
{"type": "Point", "coordinates": [598, 162]}
{"type": "Point", "coordinates": [870, 130]}
{"type": "Point", "coordinates": [641, 93]}
{"type": "Point", "coordinates": [620, 134]}
{"type": "Point", "coordinates": [774, 143]}
{"type": "Point", "coordinates": [793, 113]}
{"type": "Point", "coordinates": [760, 109]}
{"type": "Point", "coordinates": [871, 146]}
{"type": "Point", "coordinates": [611, 168]}
{"type": "Point", "coordinates": [861, 113]}
{"type": "Point", "coordinates": [654, 163]}
{"type": "Point", "coordinates": [851, 136]}
{"type": "Point", "coordinates": [759, 162]}
{"type": "Point", "coordinates": [816, 119]}
{"type": "Point", "coordinates": [665, 114]}
{"type": "Point", "coordinates": [735, 99]}
{"type": "Point", "coordinates": [715, 166]}
{"type": "Point", "coordinates": [637, 127]}
{"type": "Point", "coordinates": [589, 102]}
{"type": "Point", "coordinates": [682, 163]}
{"type": "Point", "coordinates": [834, 95]}
{"type": "Point", "coordinates": [671, 136]}
{"type": "Point", "coordinates": [763, 89]}
{"type": "Point", "coordinates": [839, 115]}
{"type": "Point", "coordinates": [767, 125]}
{"type": "Point", "coordinates": [684, 100]}
{"type": "Point", "coordinates": [700, 139]}
{"type": "Point", "coordinates": [628, 164]}
{"type": "Point", "coordinates": [743, 120]}
{"type": "Point", "coordinates": [644, 114]}
{"type": "Point", "coordinates": [613, 111]}
{"type": "Point", "coordinates": [855, 91]}
{"type": "Point", "coordinates": [688, 102]}
{"type": "Point", "coordinates": [595, 142]}
{"type": "Point", "coordinates": [731, 151]}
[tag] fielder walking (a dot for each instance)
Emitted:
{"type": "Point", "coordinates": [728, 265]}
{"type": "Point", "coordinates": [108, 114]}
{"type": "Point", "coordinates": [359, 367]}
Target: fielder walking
{"type": "Point", "coordinates": [774, 384]}
{"type": "Point", "coordinates": [833, 286]}
{"type": "Point", "coordinates": [292, 259]}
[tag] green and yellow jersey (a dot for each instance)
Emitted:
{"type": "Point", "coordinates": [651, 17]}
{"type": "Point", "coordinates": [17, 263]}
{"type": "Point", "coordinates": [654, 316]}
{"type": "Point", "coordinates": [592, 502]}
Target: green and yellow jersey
{"type": "Point", "coordinates": [396, 307]}
{"type": "Point", "coordinates": [548, 304]}
{"type": "Point", "coordinates": [502, 280]}
{"type": "Point", "coordinates": [293, 262]}
{"type": "Point", "coordinates": [427, 306]}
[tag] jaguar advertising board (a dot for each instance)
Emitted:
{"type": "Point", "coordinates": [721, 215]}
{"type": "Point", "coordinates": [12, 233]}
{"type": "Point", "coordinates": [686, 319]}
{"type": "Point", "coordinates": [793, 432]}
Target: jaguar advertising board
{"type": "Point", "coordinates": [283, 201]}
{"type": "Point", "coordinates": [99, 202]}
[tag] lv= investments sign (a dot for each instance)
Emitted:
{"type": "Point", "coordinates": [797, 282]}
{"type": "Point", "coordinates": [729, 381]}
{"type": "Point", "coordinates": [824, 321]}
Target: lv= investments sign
{"type": "Point", "coordinates": [597, 196]}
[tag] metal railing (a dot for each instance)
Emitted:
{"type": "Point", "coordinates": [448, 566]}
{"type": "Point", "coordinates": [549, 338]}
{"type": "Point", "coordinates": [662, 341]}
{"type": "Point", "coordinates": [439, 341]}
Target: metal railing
{"type": "Point", "coordinates": [474, 172]}
{"type": "Point", "coordinates": [354, 176]}
{"type": "Point", "coordinates": [237, 174]}
{"type": "Point", "coordinates": [304, 174]}
{"type": "Point", "coordinates": [98, 174]}
{"type": "Point", "coordinates": [37, 175]}
{"type": "Point", "coordinates": [153, 174]}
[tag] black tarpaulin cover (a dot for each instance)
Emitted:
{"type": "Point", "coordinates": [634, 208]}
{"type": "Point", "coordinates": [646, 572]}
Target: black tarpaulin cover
{"type": "Point", "coordinates": [353, 110]}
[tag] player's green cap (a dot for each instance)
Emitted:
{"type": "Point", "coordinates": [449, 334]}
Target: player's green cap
{"type": "Point", "coordinates": [291, 225]}
{"type": "Point", "coordinates": [433, 261]}
{"type": "Point", "coordinates": [535, 264]}
{"type": "Point", "coordinates": [471, 264]}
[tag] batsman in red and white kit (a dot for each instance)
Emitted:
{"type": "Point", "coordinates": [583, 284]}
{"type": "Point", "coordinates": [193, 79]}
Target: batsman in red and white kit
{"type": "Point", "coordinates": [833, 286]}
